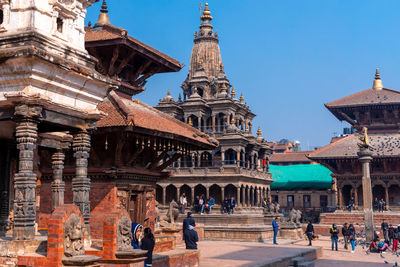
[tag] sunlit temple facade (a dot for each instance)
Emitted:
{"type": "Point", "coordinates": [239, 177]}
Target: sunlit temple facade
{"type": "Point", "coordinates": [239, 166]}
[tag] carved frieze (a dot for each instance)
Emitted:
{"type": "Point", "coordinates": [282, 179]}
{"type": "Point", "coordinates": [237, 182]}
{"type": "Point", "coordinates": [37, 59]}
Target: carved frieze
{"type": "Point", "coordinates": [73, 236]}
{"type": "Point", "coordinates": [124, 234]}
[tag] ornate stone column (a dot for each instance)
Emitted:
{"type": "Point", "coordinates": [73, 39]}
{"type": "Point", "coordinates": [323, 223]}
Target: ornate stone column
{"type": "Point", "coordinates": [238, 196]}
{"type": "Point", "coordinates": [251, 197]}
{"type": "Point", "coordinates": [355, 196]}
{"type": "Point", "coordinates": [222, 157]}
{"type": "Point", "coordinates": [192, 196]}
{"type": "Point", "coordinates": [57, 186]}
{"type": "Point", "coordinates": [207, 192]}
{"type": "Point", "coordinates": [27, 118]}
{"type": "Point", "coordinates": [81, 183]}
{"type": "Point", "coordinates": [164, 195]}
{"type": "Point", "coordinates": [365, 156]}
{"type": "Point", "coordinates": [222, 195]}
{"type": "Point", "coordinates": [340, 198]}
{"type": "Point", "coordinates": [199, 123]}
{"type": "Point", "coordinates": [238, 157]}
{"type": "Point", "coordinates": [248, 196]}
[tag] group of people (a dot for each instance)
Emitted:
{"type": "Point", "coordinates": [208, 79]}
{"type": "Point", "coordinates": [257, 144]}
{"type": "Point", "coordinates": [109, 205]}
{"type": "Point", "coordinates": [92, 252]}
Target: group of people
{"type": "Point", "coordinates": [379, 205]}
{"type": "Point", "coordinates": [201, 204]}
{"type": "Point", "coordinates": [391, 237]}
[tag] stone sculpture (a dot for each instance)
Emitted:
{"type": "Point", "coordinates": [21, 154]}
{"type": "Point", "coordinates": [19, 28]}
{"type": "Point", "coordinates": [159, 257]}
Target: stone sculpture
{"type": "Point", "coordinates": [124, 234]}
{"type": "Point", "coordinates": [293, 219]}
{"type": "Point", "coordinates": [169, 219]}
{"type": "Point", "coordinates": [73, 236]}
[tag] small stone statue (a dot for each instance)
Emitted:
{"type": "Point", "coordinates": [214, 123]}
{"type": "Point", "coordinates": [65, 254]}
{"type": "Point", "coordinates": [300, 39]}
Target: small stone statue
{"type": "Point", "coordinates": [124, 234]}
{"type": "Point", "coordinates": [364, 140]}
{"type": "Point", "coordinates": [298, 218]}
{"type": "Point", "coordinates": [73, 236]}
{"type": "Point", "coordinates": [277, 208]}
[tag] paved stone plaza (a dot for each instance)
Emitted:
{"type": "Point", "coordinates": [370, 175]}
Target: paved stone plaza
{"type": "Point", "coordinates": [232, 254]}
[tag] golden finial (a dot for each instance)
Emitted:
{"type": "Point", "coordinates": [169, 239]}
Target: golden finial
{"type": "Point", "coordinates": [233, 93]}
{"type": "Point", "coordinates": [206, 13]}
{"type": "Point", "coordinates": [221, 66]}
{"type": "Point", "coordinates": [223, 87]}
{"type": "Point", "coordinates": [168, 92]}
{"type": "Point", "coordinates": [103, 17]}
{"type": "Point", "coordinates": [364, 140]}
{"type": "Point", "coordinates": [241, 97]}
{"type": "Point", "coordinates": [259, 133]}
{"type": "Point", "coordinates": [377, 82]}
{"type": "Point", "coordinates": [190, 122]}
{"type": "Point", "coordinates": [195, 90]}
{"type": "Point", "coordinates": [233, 120]}
{"type": "Point", "coordinates": [246, 128]}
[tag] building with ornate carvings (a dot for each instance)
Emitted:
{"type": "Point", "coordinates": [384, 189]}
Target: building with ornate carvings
{"type": "Point", "coordinates": [378, 110]}
{"type": "Point", "coordinates": [239, 166]}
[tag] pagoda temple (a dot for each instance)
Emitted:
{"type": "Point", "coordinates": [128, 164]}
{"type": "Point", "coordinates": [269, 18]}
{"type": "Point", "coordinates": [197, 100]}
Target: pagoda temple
{"type": "Point", "coordinates": [239, 166]}
{"type": "Point", "coordinates": [378, 110]}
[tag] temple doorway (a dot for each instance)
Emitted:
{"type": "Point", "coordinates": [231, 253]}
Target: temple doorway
{"type": "Point", "coordinates": [378, 192]}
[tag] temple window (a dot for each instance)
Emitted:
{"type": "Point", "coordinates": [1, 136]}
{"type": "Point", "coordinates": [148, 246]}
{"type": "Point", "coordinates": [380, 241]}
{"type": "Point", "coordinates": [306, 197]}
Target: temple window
{"type": "Point", "coordinates": [60, 25]}
{"type": "Point", "coordinates": [1, 16]}
{"type": "Point", "coordinates": [290, 201]}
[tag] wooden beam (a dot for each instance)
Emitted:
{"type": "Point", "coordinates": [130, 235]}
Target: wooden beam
{"type": "Point", "coordinates": [168, 162]}
{"type": "Point", "coordinates": [139, 71]}
{"type": "Point", "coordinates": [160, 157]}
{"type": "Point", "coordinates": [143, 78]}
{"type": "Point", "coordinates": [113, 60]}
{"type": "Point", "coordinates": [123, 64]}
{"type": "Point", "coordinates": [347, 118]}
{"type": "Point", "coordinates": [134, 156]}
{"type": "Point", "coordinates": [100, 65]}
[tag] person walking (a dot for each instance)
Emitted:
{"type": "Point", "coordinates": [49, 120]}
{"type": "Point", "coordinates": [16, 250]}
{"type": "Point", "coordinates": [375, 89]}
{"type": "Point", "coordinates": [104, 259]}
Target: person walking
{"type": "Point", "coordinates": [191, 237]}
{"type": "Point", "coordinates": [345, 235]}
{"type": "Point", "coordinates": [310, 232]}
{"type": "Point", "coordinates": [390, 234]}
{"type": "Point", "coordinates": [275, 227]}
{"type": "Point", "coordinates": [148, 244]}
{"type": "Point", "coordinates": [183, 202]}
{"type": "Point", "coordinates": [334, 231]}
{"type": "Point", "coordinates": [352, 236]}
{"type": "Point", "coordinates": [396, 238]}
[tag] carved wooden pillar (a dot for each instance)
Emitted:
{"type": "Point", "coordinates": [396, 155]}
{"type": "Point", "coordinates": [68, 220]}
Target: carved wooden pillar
{"type": "Point", "coordinates": [57, 186]}
{"type": "Point", "coordinates": [238, 158]}
{"type": "Point", "coordinates": [213, 123]}
{"type": "Point", "coordinates": [222, 156]}
{"type": "Point", "coordinates": [81, 183]}
{"type": "Point", "coordinates": [192, 195]}
{"type": "Point", "coordinates": [164, 195]}
{"type": "Point", "coordinates": [387, 197]}
{"type": "Point", "coordinates": [355, 196]}
{"type": "Point", "coordinates": [27, 118]}
{"type": "Point", "coordinates": [340, 197]}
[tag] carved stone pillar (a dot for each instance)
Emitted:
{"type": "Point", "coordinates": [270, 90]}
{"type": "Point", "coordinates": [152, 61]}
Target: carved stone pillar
{"type": "Point", "coordinates": [207, 192]}
{"type": "Point", "coordinates": [164, 195]}
{"type": "Point", "coordinates": [27, 118]}
{"type": "Point", "coordinates": [192, 195]}
{"type": "Point", "coordinates": [248, 196]}
{"type": "Point", "coordinates": [199, 160]}
{"type": "Point", "coordinates": [81, 183]}
{"type": "Point", "coordinates": [238, 158]}
{"type": "Point", "coordinates": [238, 197]}
{"type": "Point", "coordinates": [355, 196]}
{"type": "Point", "coordinates": [340, 197]}
{"type": "Point", "coordinates": [199, 123]}
{"type": "Point", "coordinates": [213, 123]}
{"type": "Point", "coordinates": [222, 157]}
{"type": "Point", "coordinates": [57, 186]}
{"type": "Point", "coordinates": [222, 195]}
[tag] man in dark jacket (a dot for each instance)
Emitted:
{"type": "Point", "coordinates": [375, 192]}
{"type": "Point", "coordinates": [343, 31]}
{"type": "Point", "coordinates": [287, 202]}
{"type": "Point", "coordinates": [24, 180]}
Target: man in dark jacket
{"type": "Point", "coordinates": [232, 204]}
{"type": "Point", "coordinates": [191, 238]}
{"type": "Point", "coordinates": [226, 205]}
{"type": "Point", "coordinates": [310, 233]}
{"type": "Point", "coordinates": [385, 230]}
{"type": "Point", "coordinates": [345, 235]}
{"type": "Point", "coordinates": [334, 231]}
{"type": "Point", "coordinates": [186, 222]}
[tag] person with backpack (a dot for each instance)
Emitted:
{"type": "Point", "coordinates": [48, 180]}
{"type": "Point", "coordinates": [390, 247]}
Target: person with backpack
{"type": "Point", "coordinates": [334, 231]}
{"type": "Point", "coordinates": [310, 233]}
{"type": "Point", "coordinates": [352, 237]}
{"type": "Point", "coordinates": [148, 244]}
{"type": "Point", "coordinates": [345, 235]}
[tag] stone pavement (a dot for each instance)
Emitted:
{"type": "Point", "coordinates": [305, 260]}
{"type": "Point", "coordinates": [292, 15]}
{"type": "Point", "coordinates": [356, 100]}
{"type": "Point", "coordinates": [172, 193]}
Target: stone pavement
{"type": "Point", "coordinates": [232, 254]}
{"type": "Point", "coordinates": [344, 258]}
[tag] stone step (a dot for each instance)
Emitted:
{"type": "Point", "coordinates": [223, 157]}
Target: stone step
{"type": "Point", "coordinates": [306, 264]}
{"type": "Point", "coordinates": [296, 261]}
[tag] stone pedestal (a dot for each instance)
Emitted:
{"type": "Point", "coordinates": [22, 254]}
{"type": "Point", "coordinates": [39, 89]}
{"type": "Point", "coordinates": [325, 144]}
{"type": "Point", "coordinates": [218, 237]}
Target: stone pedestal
{"type": "Point", "coordinates": [365, 156]}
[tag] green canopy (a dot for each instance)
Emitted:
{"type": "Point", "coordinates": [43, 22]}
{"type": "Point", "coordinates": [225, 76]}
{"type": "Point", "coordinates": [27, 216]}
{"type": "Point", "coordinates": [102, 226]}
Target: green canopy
{"type": "Point", "coordinates": [300, 176]}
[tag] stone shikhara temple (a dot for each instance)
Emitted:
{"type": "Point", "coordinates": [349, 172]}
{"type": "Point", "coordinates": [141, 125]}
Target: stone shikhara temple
{"type": "Point", "coordinates": [378, 110]}
{"type": "Point", "coordinates": [239, 166]}
{"type": "Point", "coordinates": [77, 153]}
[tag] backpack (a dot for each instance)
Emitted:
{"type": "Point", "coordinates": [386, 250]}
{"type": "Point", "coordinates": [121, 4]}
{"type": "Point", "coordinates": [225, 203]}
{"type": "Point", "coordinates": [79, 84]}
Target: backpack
{"type": "Point", "coordinates": [380, 245]}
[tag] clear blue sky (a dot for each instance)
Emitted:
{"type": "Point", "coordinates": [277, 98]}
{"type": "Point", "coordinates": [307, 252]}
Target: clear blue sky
{"type": "Point", "coordinates": [287, 57]}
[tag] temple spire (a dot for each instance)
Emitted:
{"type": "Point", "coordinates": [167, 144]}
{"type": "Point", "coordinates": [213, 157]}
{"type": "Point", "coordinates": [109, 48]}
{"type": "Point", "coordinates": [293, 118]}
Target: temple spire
{"type": "Point", "coordinates": [259, 133]}
{"type": "Point", "coordinates": [241, 98]}
{"type": "Point", "coordinates": [103, 19]}
{"type": "Point", "coordinates": [377, 82]}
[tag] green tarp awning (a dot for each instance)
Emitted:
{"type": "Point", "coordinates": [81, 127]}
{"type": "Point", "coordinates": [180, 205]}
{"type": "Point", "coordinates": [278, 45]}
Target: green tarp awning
{"type": "Point", "coordinates": [300, 176]}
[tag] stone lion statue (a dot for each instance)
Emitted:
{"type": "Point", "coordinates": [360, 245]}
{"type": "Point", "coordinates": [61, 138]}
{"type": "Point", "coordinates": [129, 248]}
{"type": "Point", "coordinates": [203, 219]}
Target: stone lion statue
{"type": "Point", "coordinates": [169, 219]}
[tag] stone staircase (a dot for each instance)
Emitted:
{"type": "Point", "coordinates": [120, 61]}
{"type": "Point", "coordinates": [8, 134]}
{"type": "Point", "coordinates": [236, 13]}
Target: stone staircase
{"type": "Point", "coordinates": [358, 217]}
{"type": "Point", "coordinates": [301, 262]}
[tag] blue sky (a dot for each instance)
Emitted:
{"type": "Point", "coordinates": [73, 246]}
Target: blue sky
{"type": "Point", "coordinates": [288, 57]}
